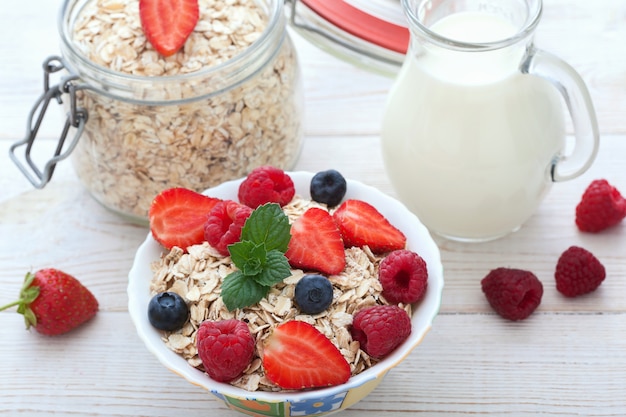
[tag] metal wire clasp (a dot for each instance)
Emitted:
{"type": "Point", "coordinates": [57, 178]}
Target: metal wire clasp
{"type": "Point", "coordinates": [76, 117]}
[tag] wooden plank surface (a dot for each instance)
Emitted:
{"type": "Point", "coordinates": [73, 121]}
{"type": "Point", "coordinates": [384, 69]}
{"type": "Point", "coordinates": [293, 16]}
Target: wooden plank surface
{"type": "Point", "coordinates": [568, 359]}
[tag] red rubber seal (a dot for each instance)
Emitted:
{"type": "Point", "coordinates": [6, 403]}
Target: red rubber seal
{"type": "Point", "coordinates": [362, 25]}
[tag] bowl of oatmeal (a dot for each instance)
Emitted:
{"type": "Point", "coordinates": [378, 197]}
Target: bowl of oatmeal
{"type": "Point", "coordinates": [196, 273]}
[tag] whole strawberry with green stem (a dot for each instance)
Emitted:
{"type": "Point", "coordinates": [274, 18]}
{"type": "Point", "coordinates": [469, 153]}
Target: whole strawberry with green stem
{"type": "Point", "coordinates": [54, 302]}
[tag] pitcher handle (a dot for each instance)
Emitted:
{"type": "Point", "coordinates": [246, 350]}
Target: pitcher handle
{"type": "Point", "coordinates": [574, 92]}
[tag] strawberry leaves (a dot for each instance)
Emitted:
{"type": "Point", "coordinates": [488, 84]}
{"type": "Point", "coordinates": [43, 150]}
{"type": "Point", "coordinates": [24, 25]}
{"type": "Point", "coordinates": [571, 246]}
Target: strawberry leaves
{"type": "Point", "coordinates": [259, 257]}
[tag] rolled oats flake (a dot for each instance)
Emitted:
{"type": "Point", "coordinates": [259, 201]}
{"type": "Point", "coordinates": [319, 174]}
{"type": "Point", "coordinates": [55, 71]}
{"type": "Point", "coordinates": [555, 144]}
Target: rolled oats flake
{"type": "Point", "coordinates": [131, 150]}
{"type": "Point", "coordinates": [199, 273]}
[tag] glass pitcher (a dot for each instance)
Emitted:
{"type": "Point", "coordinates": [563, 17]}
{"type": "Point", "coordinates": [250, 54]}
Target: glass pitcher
{"type": "Point", "coordinates": [473, 132]}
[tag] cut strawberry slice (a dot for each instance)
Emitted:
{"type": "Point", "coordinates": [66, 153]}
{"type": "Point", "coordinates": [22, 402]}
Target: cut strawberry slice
{"type": "Point", "coordinates": [361, 224]}
{"type": "Point", "coordinates": [168, 23]}
{"type": "Point", "coordinates": [297, 356]}
{"type": "Point", "coordinates": [177, 217]}
{"type": "Point", "coordinates": [316, 243]}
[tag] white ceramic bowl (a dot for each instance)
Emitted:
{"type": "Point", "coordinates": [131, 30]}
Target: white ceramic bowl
{"type": "Point", "coordinates": [303, 403]}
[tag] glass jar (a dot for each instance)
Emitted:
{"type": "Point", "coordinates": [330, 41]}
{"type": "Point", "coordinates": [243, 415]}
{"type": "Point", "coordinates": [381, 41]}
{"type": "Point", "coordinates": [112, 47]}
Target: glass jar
{"type": "Point", "coordinates": [229, 101]}
{"type": "Point", "coordinates": [370, 34]}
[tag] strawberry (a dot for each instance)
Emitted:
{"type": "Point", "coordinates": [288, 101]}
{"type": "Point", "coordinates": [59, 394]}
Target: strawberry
{"type": "Point", "coordinates": [177, 217]}
{"type": "Point", "coordinates": [361, 224]}
{"type": "Point", "coordinates": [168, 23]}
{"type": "Point", "coordinates": [297, 356]}
{"type": "Point", "coordinates": [316, 243]}
{"type": "Point", "coordinates": [54, 302]}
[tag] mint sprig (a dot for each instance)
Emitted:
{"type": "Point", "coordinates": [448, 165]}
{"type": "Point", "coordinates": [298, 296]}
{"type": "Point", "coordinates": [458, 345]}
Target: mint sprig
{"type": "Point", "coordinates": [259, 257]}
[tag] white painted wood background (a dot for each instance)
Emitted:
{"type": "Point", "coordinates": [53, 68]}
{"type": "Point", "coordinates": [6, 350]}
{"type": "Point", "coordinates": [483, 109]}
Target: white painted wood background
{"type": "Point", "coordinates": [568, 359]}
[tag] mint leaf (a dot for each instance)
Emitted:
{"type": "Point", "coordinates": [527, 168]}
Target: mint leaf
{"type": "Point", "coordinates": [276, 269]}
{"type": "Point", "coordinates": [239, 291]}
{"type": "Point", "coordinates": [248, 257]}
{"type": "Point", "coordinates": [260, 257]}
{"type": "Point", "coordinates": [270, 225]}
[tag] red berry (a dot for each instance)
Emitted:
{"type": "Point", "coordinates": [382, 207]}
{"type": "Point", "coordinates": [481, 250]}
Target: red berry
{"type": "Point", "coordinates": [578, 272]}
{"type": "Point", "coordinates": [177, 217]}
{"type": "Point", "coordinates": [316, 243]}
{"type": "Point", "coordinates": [380, 329]}
{"type": "Point", "coordinates": [601, 207]}
{"type": "Point", "coordinates": [513, 293]}
{"type": "Point", "coordinates": [224, 223]}
{"type": "Point", "coordinates": [361, 224]}
{"type": "Point", "coordinates": [225, 347]}
{"type": "Point", "coordinates": [168, 23]}
{"type": "Point", "coordinates": [297, 355]}
{"type": "Point", "coordinates": [54, 302]}
{"type": "Point", "coordinates": [404, 276]}
{"type": "Point", "coordinates": [266, 184]}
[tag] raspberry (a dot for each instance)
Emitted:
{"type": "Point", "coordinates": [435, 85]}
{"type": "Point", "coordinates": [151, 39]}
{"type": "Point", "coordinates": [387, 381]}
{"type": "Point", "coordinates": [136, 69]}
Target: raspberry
{"type": "Point", "coordinates": [513, 293]}
{"type": "Point", "coordinates": [404, 277]}
{"type": "Point", "coordinates": [578, 272]}
{"type": "Point", "coordinates": [380, 329]}
{"type": "Point", "coordinates": [601, 207]}
{"type": "Point", "coordinates": [224, 223]}
{"type": "Point", "coordinates": [225, 347]}
{"type": "Point", "coordinates": [266, 184]}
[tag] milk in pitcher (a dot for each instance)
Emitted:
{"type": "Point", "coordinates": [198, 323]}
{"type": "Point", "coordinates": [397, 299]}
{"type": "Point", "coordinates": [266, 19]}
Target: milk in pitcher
{"type": "Point", "coordinates": [468, 143]}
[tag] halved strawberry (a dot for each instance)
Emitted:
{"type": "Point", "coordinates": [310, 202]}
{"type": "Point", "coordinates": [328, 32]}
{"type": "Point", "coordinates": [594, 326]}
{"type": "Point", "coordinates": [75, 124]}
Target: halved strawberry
{"type": "Point", "coordinates": [362, 224]}
{"type": "Point", "coordinates": [168, 23]}
{"type": "Point", "coordinates": [297, 356]}
{"type": "Point", "coordinates": [316, 243]}
{"type": "Point", "coordinates": [177, 217]}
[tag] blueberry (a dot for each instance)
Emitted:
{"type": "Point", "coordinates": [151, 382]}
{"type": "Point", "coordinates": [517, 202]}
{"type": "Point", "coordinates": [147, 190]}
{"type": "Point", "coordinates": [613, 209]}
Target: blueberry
{"type": "Point", "coordinates": [313, 293]}
{"type": "Point", "coordinates": [328, 187]}
{"type": "Point", "coordinates": [168, 311]}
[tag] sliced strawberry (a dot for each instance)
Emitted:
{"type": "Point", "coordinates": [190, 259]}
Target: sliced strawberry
{"type": "Point", "coordinates": [316, 243]}
{"type": "Point", "coordinates": [361, 224]}
{"type": "Point", "coordinates": [177, 217]}
{"type": "Point", "coordinates": [168, 23]}
{"type": "Point", "coordinates": [297, 356]}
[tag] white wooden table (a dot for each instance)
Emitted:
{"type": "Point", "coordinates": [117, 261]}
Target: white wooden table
{"type": "Point", "coordinates": [568, 359]}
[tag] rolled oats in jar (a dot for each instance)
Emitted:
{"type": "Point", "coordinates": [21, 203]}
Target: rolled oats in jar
{"type": "Point", "coordinates": [228, 101]}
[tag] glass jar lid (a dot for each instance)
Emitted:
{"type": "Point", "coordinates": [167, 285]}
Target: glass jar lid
{"type": "Point", "coordinates": [372, 34]}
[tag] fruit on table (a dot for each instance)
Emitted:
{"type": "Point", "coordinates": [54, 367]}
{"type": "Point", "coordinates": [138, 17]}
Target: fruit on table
{"type": "Point", "coordinates": [513, 293]}
{"type": "Point", "coordinates": [361, 224]}
{"type": "Point", "coordinates": [313, 293]}
{"type": "Point", "coordinates": [380, 329]}
{"type": "Point", "coordinates": [225, 348]}
{"type": "Point", "coordinates": [178, 215]}
{"type": "Point", "coordinates": [404, 277]}
{"type": "Point", "coordinates": [167, 311]}
{"type": "Point", "coordinates": [54, 302]}
{"type": "Point", "coordinates": [601, 207]}
{"type": "Point", "coordinates": [316, 243]}
{"type": "Point", "coordinates": [266, 184]}
{"type": "Point", "coordinates": [328, 187]}
{"type": "Point", "coordinates": [224, 223]}
{"type": "Point", "coordinates": [297, 356]}
{"type": "Point", "coordinates": [578, 272]}
{"type": "Point", "coordinates": [168, 23]}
